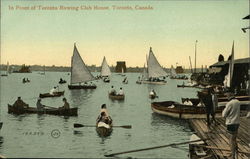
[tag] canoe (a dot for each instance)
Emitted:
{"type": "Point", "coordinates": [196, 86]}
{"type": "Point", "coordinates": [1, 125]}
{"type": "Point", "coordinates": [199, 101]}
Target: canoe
{"type": "Point", "coordinates": [117, 97]}
{"type": "Point", "coordinates": [181, 111]}
{"type": "Point", "coordinates": [31, 110]}
{"type": "Point", "coordinates": [195, 86]}
{"type": "Point", "coordinates": [56, 94]}
{"type": "Point", "coordinates": [81, 87]}
{"type": "Point", "coordinates": [103, 129]}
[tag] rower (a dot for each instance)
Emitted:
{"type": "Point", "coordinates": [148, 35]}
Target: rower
{"type": "Point", "coordinates": [104, 118]}
{"type": "Point", "coordinates": [188, 102]}
{"type": "Point", "coordinates": [24, 80]}
{"type": "Point", "coordinates": [39, 105]}
{"type": "Point", "coordinates": [20, 104]}
{"type": "Point", "coordinates": [121, 92]}
{"type": "Point", "coordinates": [152, 92]}
{"type": "Point", "coordinates": [66, 104]}
{"type": "Point", "coordinates": [53, 91]}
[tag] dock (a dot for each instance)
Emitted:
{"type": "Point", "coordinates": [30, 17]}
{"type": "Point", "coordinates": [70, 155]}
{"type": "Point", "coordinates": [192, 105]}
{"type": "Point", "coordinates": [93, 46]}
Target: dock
{"type": "Point", "coordinates": [218, 138]}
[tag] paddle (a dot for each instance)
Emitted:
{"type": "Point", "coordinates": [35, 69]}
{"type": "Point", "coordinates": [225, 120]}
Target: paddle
{"type": "Point", "coordinates": [50, 107]}
{"type": "Point", "coordinates": [76, 125]}
{"type": "Point", "coordinates": [150, 148]}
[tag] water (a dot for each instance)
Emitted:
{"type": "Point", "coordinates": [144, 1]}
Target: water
{"type": "Point", "coordinates": [29, 135]}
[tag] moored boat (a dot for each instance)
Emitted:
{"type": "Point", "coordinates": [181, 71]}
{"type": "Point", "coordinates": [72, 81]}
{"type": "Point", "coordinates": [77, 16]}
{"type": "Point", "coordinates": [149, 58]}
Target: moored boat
{"type": "Point", "coordinates": [56, 94]}
{"type": "Point", "coordinates": [103, 129]}
{"type": "Point", "coordinates": [116, 97]}
{"type": "Point", "coordinates": [197, 149]}
{"type": "Point", "coordinates": [52, 111]}
{"type": "Point", "coordinates": [181, 111]}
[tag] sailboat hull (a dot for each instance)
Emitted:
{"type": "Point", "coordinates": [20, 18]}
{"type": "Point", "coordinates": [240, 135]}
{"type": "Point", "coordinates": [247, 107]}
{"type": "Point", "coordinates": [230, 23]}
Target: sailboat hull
{"type": "Point", "coordinates": [154, 82]}
{"type": "Point", "coordinates": [81, 87]}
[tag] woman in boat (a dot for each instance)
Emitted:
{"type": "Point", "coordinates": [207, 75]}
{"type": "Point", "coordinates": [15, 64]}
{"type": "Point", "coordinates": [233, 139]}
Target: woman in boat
{"type": "Point", "coordinates": [104, 118]}
{"type": "Point", "coordinates": [104, 110]}
{"type": "Point", "coordinates": [53, 91]}
{"type": "Point", "coordinates": [39, 105]}
{"type": "Point", "coordinates": [121, 92]}
{"type": "Point", "coordinates": [66, 104]}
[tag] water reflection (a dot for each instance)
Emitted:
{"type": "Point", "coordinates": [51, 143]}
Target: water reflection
{"type": "Point", "coordinates": [161, 120]}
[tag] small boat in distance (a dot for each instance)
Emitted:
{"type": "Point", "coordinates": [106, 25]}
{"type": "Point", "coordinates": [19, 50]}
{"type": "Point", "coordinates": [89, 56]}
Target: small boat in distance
{"type": "Point", "coordinates": [116, 97]}
{"type": "Point", "coordinates": [56, 94]}
{"type": "Point", "coordinates": [156, 74]}
{"type": "Point", "coordinates": [1, 125]}
{"type": "Point", "coordinates": [174, 75]}
{"type": "Point", "coordinates": [52, 111]}
{"type": "Point", "coordinates": [79, 73]}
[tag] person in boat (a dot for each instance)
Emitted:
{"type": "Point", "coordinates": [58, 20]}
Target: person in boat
{"type": "Point", "coordinates": [104, 109]}
{"type": "Point", "coordinates": [152, 92]}
{"type": "Point", "coordinates": [92, 84]}
{"type": "Point", "coordinates": [104, 114]}
{"type": "Point", "coordinates": [61, 80]}
{"type": "Point", "coordinates": [27, 80]}
{"type": "Point", "coordinates": [39, 105]}
{"type": "Point", "coordinates": [112, 91]}
{"type": "Point", "coordinates": [20, 104]}
{"type": "Point", "coordinates": [53, 91]}
{"type": "Point", "coordinates": [66, 104]}
{"type": "Point", "coordinates": [232, 114]}
{"type": "Point", "coordinates": [121, 91]}
{"type": "Point", "coordinates": [188, 102]}
{"type": "Point", "coordinates": [24, 80]}
{"type": "Point", "coordinates": [104, 118]}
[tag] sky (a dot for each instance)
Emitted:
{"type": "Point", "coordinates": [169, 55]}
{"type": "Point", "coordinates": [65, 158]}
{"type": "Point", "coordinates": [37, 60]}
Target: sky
{"type": "Point", "coordinates": [47, 37]}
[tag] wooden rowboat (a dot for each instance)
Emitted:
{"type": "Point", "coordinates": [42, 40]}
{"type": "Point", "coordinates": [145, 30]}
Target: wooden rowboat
{"type": "Point", "coordinates": [103, 129]}
{"type": "Point", "coordinates": [181, 111]}
{"type": "Point", "coordinates": [31, 110]}
{"type": "Point", "coordinates": [81, 87]}
{"type": "Point", "coordinates": [116, 97]}
{"type": "Point", "coordinates": [56, 94]}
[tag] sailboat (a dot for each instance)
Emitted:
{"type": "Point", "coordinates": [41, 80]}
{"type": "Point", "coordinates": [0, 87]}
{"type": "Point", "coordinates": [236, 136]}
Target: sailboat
{"type": "Point", "coordinates": [228, 78]}
{"type": "Point", "coordinates": [79, 73]}
{"type": "Point", "coordinates": [123, 72]}
{"type": "Point", "coordinates": [143, 76]}
{"type": "Point", "coordinates": [7, 70]}
{"type": "Point", "coordinates": [154, 70]}
{"type": "Point", "coordinates": [105, 71]}
{"type": "Point", "coordinates": [173, 75]}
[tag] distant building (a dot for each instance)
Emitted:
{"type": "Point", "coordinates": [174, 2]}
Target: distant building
{"type": "Point", "coordinates": [120, 65]}
{"type": "Point", "coordinates": [23, 69]}
{"type": "Point", "coordinates": [179, 69]}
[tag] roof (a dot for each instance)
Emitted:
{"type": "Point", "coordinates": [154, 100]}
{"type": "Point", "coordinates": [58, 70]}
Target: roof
{"type": "Point", "coordinates": [237, 61]}
{"type": "Point", "coordinates": [247, 17]}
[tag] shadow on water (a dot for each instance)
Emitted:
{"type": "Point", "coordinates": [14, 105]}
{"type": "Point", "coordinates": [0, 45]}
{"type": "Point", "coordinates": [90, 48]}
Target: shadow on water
{"type": "Point", "coordinates": [160, 120]}
{"type": "Point", "coordinates": [81, 95]}
{"type": "Point", "coordinates": [1, 142]}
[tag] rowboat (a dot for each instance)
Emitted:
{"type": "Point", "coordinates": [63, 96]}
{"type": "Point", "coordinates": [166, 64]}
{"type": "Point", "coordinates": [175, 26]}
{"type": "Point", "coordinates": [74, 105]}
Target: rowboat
{"type": "Point", "coordinates": [82, 86]}
{"type": "Point", "coordinates": [116, 97]}
{"type": "Point", "coordinates": [152, 96]}
{"type": "Point", "coordinates": [31, 110]}
{"type": "Point", "coordinates": [56, 94]}
{"type": "Point", "coordinates": [181, 111]}
{"type": "Point", "coordinates": [103, 129]}
{"type": "Point", "coordinates": [62, 82]}
{"type": "Point", "coordinates": [197, 149]}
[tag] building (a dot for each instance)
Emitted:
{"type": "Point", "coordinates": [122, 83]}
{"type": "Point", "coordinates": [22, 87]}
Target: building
{"type": "Point", "coordinates": [120, 65]}
{"type": "Point", "coordinates": [240, 73]}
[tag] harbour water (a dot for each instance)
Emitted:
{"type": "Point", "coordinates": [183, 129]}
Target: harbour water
{"type": "Point", "coordinates": [31, 135]}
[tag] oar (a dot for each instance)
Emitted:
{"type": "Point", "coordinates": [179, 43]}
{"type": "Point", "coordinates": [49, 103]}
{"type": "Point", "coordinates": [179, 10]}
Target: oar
{"type": "Point", "coordinates": [76, 125]}
{"type": "Point", "coordinates": [50, 107]}
{"type": "Point", "coordinates": [156, 147]}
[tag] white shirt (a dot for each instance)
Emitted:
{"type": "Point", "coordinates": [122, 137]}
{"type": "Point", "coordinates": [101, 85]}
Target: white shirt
{"type": "Point", "coordinates": [52, 91]}
{"type": "Point", "coordinates": [106, 112]}
{"type": "Point", "coordinates": [188, 103]}
{"type": "Point", "coordinates": [151, 93]}
{"type": "Point", "coordinates": [121, 92]}
{"type": "Point", "coordinates": [232, 112]}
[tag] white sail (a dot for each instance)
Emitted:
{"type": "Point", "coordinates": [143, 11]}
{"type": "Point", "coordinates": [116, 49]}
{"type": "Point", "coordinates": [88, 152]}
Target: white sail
{"type": "Point", "coordinates": [173, 72]}
{"type": "Point", "coordinates": [105, 68]}
{"type": "Point", "coordinates": [154, 68]}
{"type": "Point", "coordinates": [122, 70]}
{"type": "Point", "coordinates": [144, 73]}
{"type": "Point", "coordinates": [79, 71]}
{"type": "Point", "coordinates": [8, 68]}
{"type": "Point", "coordinates": [229, 76]}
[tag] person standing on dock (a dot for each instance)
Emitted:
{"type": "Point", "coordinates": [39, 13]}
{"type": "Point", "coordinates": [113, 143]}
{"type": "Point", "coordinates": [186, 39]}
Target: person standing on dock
{"type": "Point", "coordinates": [232, 114]}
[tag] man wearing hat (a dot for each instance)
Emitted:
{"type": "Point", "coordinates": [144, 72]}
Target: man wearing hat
{"type": "Point", "coordinates": [39, 105]}
{"type": "Point", "coordinates": [66, 104]}
{"type": "Point", "coordinates": [232, 115]}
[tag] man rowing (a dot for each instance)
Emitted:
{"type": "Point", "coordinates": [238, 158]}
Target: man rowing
{"type": "Point", "coordinates": [20, 104]}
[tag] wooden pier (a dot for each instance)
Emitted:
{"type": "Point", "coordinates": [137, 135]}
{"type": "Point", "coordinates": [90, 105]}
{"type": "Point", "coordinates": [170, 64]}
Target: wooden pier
{"type": "Point", "coordinates": [218, 138]}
